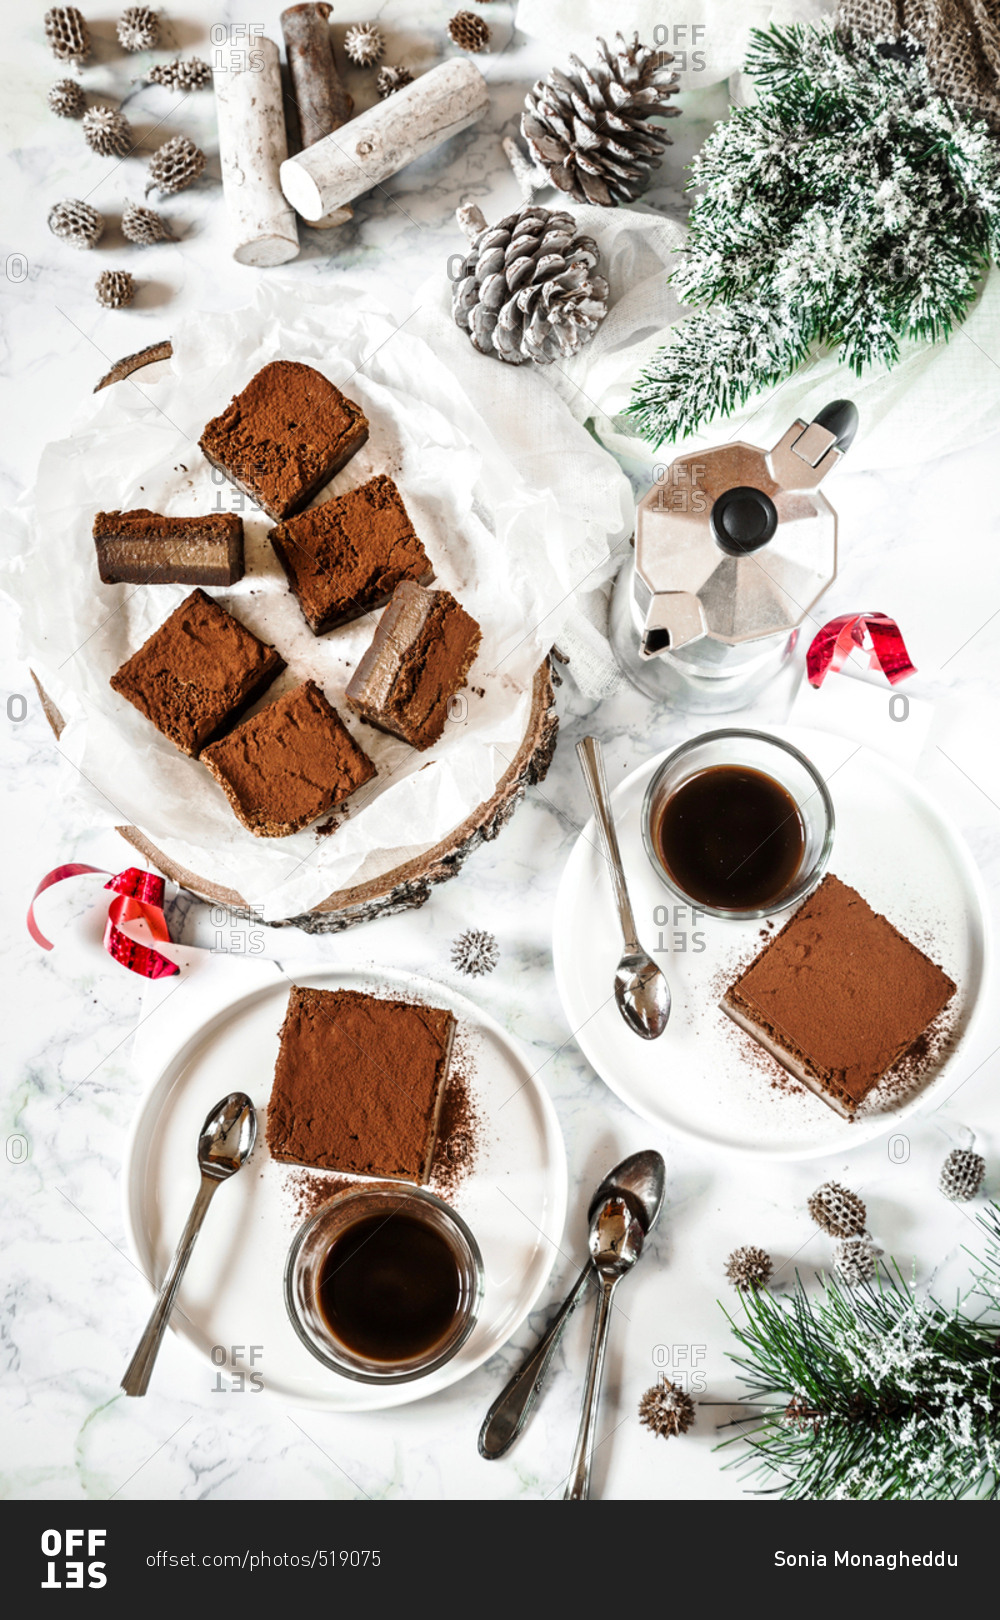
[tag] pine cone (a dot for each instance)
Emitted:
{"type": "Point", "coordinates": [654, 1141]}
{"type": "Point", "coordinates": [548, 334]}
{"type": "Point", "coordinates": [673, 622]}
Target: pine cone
{"type": "Point", "coordinates": [67, 34]}
{"type": "Point", "coordinates": [145, 225]}
{"type": "Point", "coordinates": [364, 44]}
{"type": "Point", "coordinates": [475, 952]}
{"type": "Point", "coordinates": [527, 290]}
{"type": "Point", "coordinates": [192, 74]}
{"type": "Point", "coordinates": [114, 288]}
{"type": "Point", "coordinates": [175, 165]}
{"type": "Point", "coordinates": [836, 1211]}
{"type": "Point", "coordinates": [67, 99]}
{"type": "Point", "coordinates": [588, 130]}
{"type": "Point", "coordinates": [666, 1409]}
{"type": "Point", "coordinates": [855, 1260]}
{"type": "Point", "coordinates": [139, 28]}
{"type": "Point", "coordinates": [390, 79]}
{"type": "Point", "coordinates": [962, 1174]}
{"type": "Point", "coordinates": [749, 1268]}
{"type": "Point", "coordinates": [469, 32]}
{"type": "Point", "coordinates": [76, 222]}
{"type": "Point", "coordinates": [107, 132]}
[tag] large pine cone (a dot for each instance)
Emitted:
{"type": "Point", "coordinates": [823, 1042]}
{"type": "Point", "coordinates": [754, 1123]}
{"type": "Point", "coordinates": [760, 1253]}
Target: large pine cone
{"type": "Point", "coordinates": [588, 129]}
{"type": "Point", "coordinates": [527, 290]}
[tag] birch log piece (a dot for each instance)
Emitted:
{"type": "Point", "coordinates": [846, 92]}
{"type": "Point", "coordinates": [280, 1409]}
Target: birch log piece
{"type": "Point", "coordinates": [385, 139]}
{"type": "Point", "coordinates": [252, 147]}
{"type": "Point", "coordinates": [322, 101]}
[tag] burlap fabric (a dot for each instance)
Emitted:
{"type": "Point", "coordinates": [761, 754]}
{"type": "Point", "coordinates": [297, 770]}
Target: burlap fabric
{"type": "Point", "coordinates": [961, 37]}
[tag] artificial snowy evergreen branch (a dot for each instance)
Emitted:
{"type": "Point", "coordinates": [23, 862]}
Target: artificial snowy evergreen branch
{"type": "Point", "coordinates": [850, 205]}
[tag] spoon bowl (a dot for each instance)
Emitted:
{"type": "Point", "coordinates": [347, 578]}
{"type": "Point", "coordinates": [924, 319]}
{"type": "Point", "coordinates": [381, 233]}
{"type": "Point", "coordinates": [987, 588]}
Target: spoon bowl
{"type": "Point", "coordinates": [642, 994]}
{"type": "Point", "coordinates": [227, 1137]}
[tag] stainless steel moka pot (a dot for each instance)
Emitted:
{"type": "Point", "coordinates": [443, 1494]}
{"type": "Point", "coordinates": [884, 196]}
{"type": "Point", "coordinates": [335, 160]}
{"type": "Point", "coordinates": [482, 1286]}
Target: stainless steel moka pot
{"type": "Point", "coordinates": [733, 546]}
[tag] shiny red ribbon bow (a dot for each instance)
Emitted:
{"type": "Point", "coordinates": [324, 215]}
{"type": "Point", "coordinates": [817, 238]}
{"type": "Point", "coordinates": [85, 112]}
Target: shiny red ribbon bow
{"type": "Point", "coordinates": [138, 895]}
{"type": "Point", "coordinates": [831, 647]}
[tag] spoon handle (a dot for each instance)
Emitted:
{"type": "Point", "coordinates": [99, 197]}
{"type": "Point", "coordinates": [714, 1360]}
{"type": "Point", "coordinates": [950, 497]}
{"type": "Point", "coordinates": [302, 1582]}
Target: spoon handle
{"type": "Point", "coordinates": [592, 763]}
{"type": "Point", "coordinates": [136, 1379]}
{"type": "Point", "coordinates": [578, 1489]}
{"type": "Point", "coordinates": [509, 1412]}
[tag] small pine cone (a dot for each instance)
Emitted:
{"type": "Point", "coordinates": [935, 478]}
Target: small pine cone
{"type": "Point", "coordinates": [107, 132]}
{"type": "Point", "coordinates": [855, 1260]}
{"type": "Point", "coordinates": [390, 79]}
{"type": "Point", "coordinates": [66, 99]}
{"type": "Point", "coordinates": [839, 1213]}
{"type": "Point", "coordinates": [469, 32]}
{"type": "Point", "coordinates": [175, 165]}
{"type": "Point", "coordinates": [962, 1175]}
{"type": "Point", "coordinates": [115, 288]}
{"type": "Point", "coordinates": [799, 1414]}
{"type": "Point", "coordinates": [475, 952]}
{"type": "Point", "coordinates": [192, 74]}
{"type": "Point", "coordinates": [139, 28]}
{"type": "Point", "coordinates": [666, 1409]}
{"type": "Point", "coordinates": [364, 44]}
{"type": "Point", "coordinates": [67, 34]}
{"type": "Point", "coordinates": [77, 223]}
{"type": "Point", "coordinates": [749, 1268]}
{"type": "Point", "coordinates": [145, 225]}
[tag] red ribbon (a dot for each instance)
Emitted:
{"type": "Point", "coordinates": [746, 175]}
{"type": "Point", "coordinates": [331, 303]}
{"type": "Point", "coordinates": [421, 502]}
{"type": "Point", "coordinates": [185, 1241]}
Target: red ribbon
{"type": "Point", "coordinates": [831, 647]}
{"type": "Point", "coordinates": [138, 896]}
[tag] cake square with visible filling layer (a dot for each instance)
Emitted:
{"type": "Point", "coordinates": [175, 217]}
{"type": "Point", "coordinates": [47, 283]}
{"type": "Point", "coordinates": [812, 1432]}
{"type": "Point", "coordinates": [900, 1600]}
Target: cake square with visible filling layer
{"type": "Point", "coordinates": [346, 557]}
{"type": "Point", "coordinates": [284, 436]}
{"type": "Point", "coordinates": [359, 1083]}
{"type": "Point", "coordinates": [839, 995]}
{"type": "Point", "coordinates": [288, 764]}
{"type": "Point", "coordinates": [146, 548]}
{"type": "Point", "coordinates": [197, 673]}
{"type": "Point", "coordinates": [419, 657]}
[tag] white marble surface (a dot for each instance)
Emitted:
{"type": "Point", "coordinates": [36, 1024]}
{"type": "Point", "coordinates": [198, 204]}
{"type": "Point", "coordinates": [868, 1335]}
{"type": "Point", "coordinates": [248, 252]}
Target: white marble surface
{"type": "Point", "coordinates": [922, 547]}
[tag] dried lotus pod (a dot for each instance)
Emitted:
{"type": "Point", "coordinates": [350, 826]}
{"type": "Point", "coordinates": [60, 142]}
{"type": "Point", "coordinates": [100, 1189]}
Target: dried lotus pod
{"type": "Point", "coordinates": [67, 34]}
{"type": "Point", "coordinates": [76, 222]}
{"type": "Point", "coordinates": [189, 74]}
{"type": "Point", "coordinates": [364, 44]}
{"type": "Point", "coordinates": [962, 1175]}
{"type": "Point", "coordinates": [469, 32]}
{"type": "Point", "coordinates": [144, 225]}
{"type": "Point", "coordinates": [392, 78]}
{"type": "Point", "coordinates": [66, 98]}
{"type": "Point", "coordinates": [107, 132]}
{"type": "Point", "coordinates": [837, 1211]}
{"type": "Point", "coordinates": [115, 288]}
{"type": "Point", "coordinates": [175, 165]}
{"type": "Point", "coordinates": [138, 28]}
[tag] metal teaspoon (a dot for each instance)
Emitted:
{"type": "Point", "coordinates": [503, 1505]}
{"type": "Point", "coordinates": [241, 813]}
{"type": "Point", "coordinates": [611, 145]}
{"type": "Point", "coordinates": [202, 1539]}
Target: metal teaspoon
{"type": "Point", "coordinates": [224, 1146]}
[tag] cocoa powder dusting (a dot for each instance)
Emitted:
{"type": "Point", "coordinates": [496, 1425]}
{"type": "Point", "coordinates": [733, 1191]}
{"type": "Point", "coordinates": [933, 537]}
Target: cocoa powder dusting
{"type": "Point", "coordinates": [459, 1137]}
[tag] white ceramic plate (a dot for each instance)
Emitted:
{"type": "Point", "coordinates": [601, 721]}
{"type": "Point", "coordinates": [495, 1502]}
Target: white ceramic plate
{"type": "Point", "coordinates": [704, 1078]}
{"type": "Point", "coordinates": [514, 1200]}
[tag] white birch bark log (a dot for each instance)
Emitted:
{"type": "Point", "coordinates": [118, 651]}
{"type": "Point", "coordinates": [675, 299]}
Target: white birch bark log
{"type": "Point", "coordinates": [252, 146]}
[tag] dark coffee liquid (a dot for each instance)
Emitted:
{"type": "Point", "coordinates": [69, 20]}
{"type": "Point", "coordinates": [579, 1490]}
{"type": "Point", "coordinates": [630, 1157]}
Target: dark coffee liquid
{"type": "Point", "coordinates": [731, 837]}
{"type": "Point", "coordinates": [389, 1288]}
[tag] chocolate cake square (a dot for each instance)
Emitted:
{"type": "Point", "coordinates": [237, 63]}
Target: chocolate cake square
{"type": "Point", "coordinates": [346, 557]}
{"type": "Point", "coordinates": [145, 548]}
{"type": "Point", "coordinates": [839, 995]}
{"type": "Point", "coordinates": [197, 673]}
{"type": "Point", "coordinates": [420, 655]}
{"type": "Point", "coordinates": [288, 764]}
{"type": "Point", "coordinates": [359, 1083]}
{"type": "Point", "coordinates": [284, 436]}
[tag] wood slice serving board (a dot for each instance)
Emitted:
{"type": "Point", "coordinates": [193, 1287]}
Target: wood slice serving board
{"type": "Point", "coordinates": [403, 886]}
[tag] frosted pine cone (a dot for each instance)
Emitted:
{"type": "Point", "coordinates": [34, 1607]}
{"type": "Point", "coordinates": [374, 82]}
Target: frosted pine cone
{"type": "Point", "coordinates": [66, 99]}
{"type": "Point", "coordinates": [839, 1213]}
{"type": "Point", "coordinates": [175, 165]}
{"type": "Point", "coordinates": [962, 1175]}
{"type": "Point", "coordinates": [192, 74]}
{"type": "Point", "coordinates": [475, 952]}
{"type": "Point", "coordinates": [666, 1409]}
{"type": "Point", "coordinates": [67, 34]}
{"type": "Point", "coordinates": [749, 1268]}
{"type": "Point", "coordinates": [107, 132]}
{"type": "Point", "coordinates": [390, 79]}
{"type": "Point", "coordinates": [528, 288]}
{"type": "Point", "coordinates": [856, 1260]}
{"type": "Point", "coordinates": [77, 223]}
{"type": "Point", "coordinates": [144, 225]}
{"type": "Point", "coordinates": [114, 288]}
{"type": "Point", "coordinates": [139, 28]}
{"type": "Point", "coordinates": [588, 129]}
{"type": "Point", "coordinates": [469, 32]}
{"type": "Point", "coordinates": [364, 44]}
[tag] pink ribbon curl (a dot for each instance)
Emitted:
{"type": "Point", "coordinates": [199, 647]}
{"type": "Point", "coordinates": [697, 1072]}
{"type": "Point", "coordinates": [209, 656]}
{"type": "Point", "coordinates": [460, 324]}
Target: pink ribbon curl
{"type": "Point", "coordinates": [138, 897]}
{"type": "Point", "coordinates": [831, 647]}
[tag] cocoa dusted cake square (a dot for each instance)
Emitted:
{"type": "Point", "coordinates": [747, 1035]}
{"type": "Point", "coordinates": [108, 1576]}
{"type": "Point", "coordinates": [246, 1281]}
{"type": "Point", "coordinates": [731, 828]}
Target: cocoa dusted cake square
{"type": "Point", "coordinates": [146, 548]}
{"type": "Point", "coordinates": [288, 764]}
{"type": "Point", "coordinates": [347, 556]}
{"type": "Point", "coordinates": [284, 436]}
{"type": "Point", "coordinates": [839, 995]}
{"type": "Point", "coordinates": [359, 1083]}
{"type": "Point", "coordinates": [197, 673]}
{"type": "Point", "coordinates": [419, 657]}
